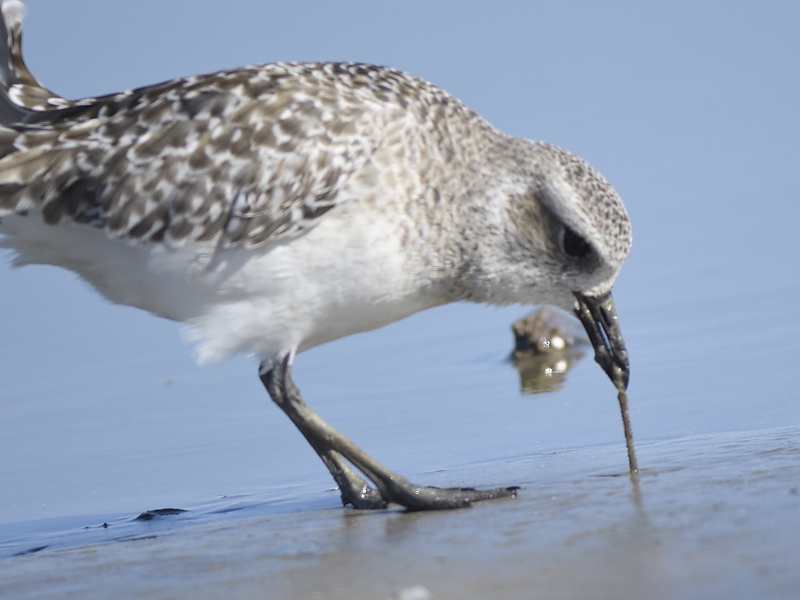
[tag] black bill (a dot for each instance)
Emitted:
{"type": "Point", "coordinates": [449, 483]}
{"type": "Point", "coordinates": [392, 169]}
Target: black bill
{"type": "Point", "coordinates": [599, 316]}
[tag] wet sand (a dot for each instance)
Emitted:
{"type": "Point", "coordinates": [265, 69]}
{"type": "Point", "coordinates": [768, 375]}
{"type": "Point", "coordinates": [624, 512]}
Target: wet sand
{"type": "Point", "coordinates": [718, 518]}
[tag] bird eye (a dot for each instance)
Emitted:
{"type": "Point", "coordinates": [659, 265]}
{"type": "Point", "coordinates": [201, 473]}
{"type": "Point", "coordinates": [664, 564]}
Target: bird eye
{"type": "Point", "coordinates": [573, 244]}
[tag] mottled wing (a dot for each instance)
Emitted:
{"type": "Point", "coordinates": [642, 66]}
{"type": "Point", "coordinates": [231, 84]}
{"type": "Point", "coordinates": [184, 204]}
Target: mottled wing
{"type": "Point", "coordinates": [238, 158]}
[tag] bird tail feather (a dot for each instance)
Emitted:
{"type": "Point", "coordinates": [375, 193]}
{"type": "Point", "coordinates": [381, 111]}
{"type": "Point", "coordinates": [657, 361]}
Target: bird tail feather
{"type": "Point", "coordinates": [21, 94]}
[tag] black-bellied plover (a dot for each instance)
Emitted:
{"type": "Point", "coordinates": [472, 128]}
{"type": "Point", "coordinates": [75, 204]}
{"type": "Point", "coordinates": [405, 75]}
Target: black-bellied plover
{"type": "Point", "coordinates": [274, 208]}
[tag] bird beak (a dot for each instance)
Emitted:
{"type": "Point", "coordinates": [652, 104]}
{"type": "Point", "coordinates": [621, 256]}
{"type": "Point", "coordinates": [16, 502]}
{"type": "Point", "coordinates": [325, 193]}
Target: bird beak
{"type": "Point", "coordinates": [599, 316]}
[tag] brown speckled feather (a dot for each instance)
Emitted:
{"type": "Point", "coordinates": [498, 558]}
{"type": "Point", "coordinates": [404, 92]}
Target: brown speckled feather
{"type": "Point", "coordinates": [240, 157]}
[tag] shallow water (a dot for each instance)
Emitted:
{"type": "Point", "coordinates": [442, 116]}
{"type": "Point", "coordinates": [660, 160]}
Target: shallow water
{"type": "Point", "coordinates": [104, 416]}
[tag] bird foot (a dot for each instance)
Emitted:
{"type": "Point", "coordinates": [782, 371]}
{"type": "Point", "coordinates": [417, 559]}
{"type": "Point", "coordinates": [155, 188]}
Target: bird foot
{"type": "Point", "coordinates": [414, 497]}
{"type": "Point", "coordinates": [362, 498]}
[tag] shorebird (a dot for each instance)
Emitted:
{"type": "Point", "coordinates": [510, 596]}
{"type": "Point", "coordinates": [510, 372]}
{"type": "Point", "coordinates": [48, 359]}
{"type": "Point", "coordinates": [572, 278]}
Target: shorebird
{"type": "Point", "coordinates": [277, 207]}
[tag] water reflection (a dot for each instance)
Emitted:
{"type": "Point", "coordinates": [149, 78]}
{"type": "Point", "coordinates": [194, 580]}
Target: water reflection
{"type": "Point", "coordinates": [546, 344]}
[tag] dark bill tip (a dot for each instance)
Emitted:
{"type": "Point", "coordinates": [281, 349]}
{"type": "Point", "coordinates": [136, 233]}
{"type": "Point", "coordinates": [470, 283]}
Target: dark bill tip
{"type": "Point", "coordinates": [599, 317]}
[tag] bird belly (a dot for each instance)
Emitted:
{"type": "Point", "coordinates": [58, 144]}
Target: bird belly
{"type": "Point", "coordinates": [345, 276]}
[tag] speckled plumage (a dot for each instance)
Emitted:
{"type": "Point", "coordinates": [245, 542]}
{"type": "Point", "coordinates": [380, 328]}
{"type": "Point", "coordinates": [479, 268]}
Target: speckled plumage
{"type": "Point", "coordinates": [277, 207]}
{"type": "Point", "coordinates": [238, 157]}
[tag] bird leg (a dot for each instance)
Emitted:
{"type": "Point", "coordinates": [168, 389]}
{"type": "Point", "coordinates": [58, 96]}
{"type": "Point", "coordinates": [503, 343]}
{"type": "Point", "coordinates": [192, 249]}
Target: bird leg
{"type": "Point", "coordinates": [354, 490]}
{"type": "Point", "coordinates": [334, 448]}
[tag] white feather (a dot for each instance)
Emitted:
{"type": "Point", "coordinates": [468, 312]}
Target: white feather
{"type": "Point", "coordinates": [13, 12]}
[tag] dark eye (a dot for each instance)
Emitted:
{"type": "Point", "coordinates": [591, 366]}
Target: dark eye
{"type": "Point", "coordinates": [573, 244]}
